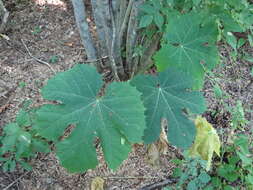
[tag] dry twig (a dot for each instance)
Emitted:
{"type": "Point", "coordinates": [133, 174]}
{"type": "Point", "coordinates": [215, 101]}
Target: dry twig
{"type": "Point", "coordinates": [15, 181]}
{"type": "Point", "coordinates": [36, 59]}
{"type": "Point", "coordinates": [95, 60]}
{"type": "Point", "coordinates": [159, 185]}
{"type": "Point", "coordinates": [131, 177]}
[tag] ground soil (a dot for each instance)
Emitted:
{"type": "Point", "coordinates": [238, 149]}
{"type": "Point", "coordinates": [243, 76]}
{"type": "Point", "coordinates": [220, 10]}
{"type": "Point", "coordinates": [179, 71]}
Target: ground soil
{"type": "Point", "coordinates": [47, 28]}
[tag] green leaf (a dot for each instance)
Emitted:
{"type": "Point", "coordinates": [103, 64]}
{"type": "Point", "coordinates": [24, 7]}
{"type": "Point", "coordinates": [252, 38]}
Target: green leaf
{"type": "Point", "coordinates": [40, 146]}
{"type": "Point", "coordinates": [12, 165]}
{"type": "Point", "coordinates": [6, 165]}
{"type": "Point", "coordinates": [228, 172]}
{"type": "Point", "coordinates": [11, 132]}
{"type": "Point", "coordinates": [216, 181]}
{"type": "Point", "coordinates": [23, 144]}
{"type": "Point", "coordinates": [159, 20]}
{"type": "Point", "coordinates": [116, 119]}
{"type": "Point", "coordinates": [204, 177]}
{"type": "Point", "coordinates": [196, 2]}
{"type": "Point", "coordinates": [147, 8]}
{"type": "Point", "coordinates": [170, 2]}
{"type": "Point", "coordinates": [228, 22]}
{"type": "Point", "coordinates": [209, 187]}
{"type": "Point", "coordinates": [145, 21]}
{"type": "Point", "coordinates": [249, 179]}
{"type": "Point", "coordinates": [54, 59]}
{"type": "Point", "coordinates": [231, 40]}
{"type": "Point", "coordinates": [165, 96]}
{"type": "Point", "coordinates": [2, 159]}
{"type": "Point", "coordinates": [9, 165]}
{"type": "Point", "coordinates": [25, 165]}
{"type": "Point", "coordinates": [23, 118]}
{"type": "Point", "coordinates": [177, 172]}
{"type": "Point", "coordinates": [228, 187]}
{"type": "Point", "coordinates": [156, 4]}
{"type": "Point", "coordinates": [242, 143]}
{"type": "Point", "coordinates": [21, 84]}
{"type": "Point", "coordinates": [246, 159]}
{"type": "Point", "coordinates": [248, 58]}
{"type": "Point", "coordinates": [250, 39]}
{"type": "Point", "coordinates": [192, 185]}
{"type": "Point", "coordinates": [240, 43]}
{"type": "Point", "coordinates": [217, 91]}
{"type": "Point", "coordinates": [189, 47]}
{"type": "Point", "coordinates": [233, 160]}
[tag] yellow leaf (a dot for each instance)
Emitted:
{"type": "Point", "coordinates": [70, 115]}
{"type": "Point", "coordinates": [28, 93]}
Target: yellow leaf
{"type": "Point", "coordinates": [206, 141]}
{"type": "Point", "coordinates": [97, 184]}
{"type": "Point", "coordinates": [4, 37]}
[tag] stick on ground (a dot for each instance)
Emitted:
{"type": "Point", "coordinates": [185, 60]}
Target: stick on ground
{"type": "Point", "coordinates": [36, 59]}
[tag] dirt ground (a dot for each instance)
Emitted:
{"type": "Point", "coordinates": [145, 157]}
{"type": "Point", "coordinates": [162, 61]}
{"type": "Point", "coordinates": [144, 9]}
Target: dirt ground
{"type": "Point", "coordinates": [47, 28]}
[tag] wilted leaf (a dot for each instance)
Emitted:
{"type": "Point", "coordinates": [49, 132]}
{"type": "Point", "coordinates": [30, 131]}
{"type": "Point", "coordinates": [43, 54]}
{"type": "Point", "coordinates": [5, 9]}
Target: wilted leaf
{"type": "Point", "coordinates": [162, 143]}
{"type": "Point", "coordinates": [153, 156]}
{"type": "Point", "coordinates": [159, 147]}
{"type": "Point", "coordinates": [97, 184]}
{"type": "Point", "coordinates": [206, 142]}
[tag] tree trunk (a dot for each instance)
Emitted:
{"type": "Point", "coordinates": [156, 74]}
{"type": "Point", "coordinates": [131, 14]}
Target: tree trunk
{"type": "Point", "coordinates": [4, 14]}
{"type": "Point", "coordinates": [117, 36]}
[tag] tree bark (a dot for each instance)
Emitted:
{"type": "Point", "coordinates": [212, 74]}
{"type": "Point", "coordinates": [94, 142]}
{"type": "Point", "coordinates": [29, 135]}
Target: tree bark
{"type": "Point", "coordinates": [4, 14]}
{"type": "Point", "coordinates": [117, 36]}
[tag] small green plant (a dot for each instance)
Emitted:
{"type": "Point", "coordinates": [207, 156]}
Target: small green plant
{"type": "Point", "coordinates": [22, 84]}
{"type": "Point", "coordinates": [152, 13]}
{"type": "Point", "coordinates": [19, 143]}
{"type": "Point", "coordinates": [238, 120]}
{"type": "Point", "coordinates": [54, 59]}
{"type": "Point", "coordinates": [36, 30]}
{"type": "Point", "coordinates": [235, 166]}
{"type": "Point", "coordinates": [191, 173]}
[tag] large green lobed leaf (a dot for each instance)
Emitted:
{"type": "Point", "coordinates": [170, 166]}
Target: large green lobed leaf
{"type": "Point", "coordinates": [166, 96]}
{"type": "Point", "coordinates": [117, 118]}
{"type": "Point", "coordinates": [188, 46]}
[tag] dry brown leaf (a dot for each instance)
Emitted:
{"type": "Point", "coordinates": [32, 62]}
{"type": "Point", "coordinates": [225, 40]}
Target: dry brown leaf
{"type": "Point", "coordinates": [163, 143]}
{"type": "Point", "coordinates": [159, 147]}
{"type": "Point", "coordinates": [153, 155]}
